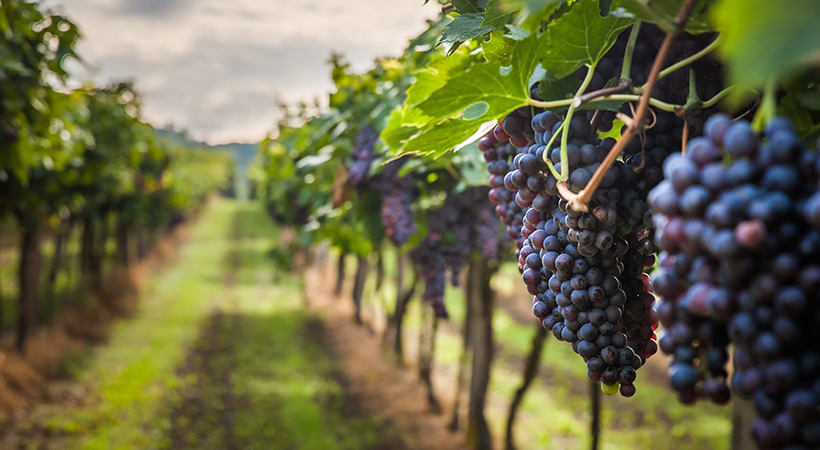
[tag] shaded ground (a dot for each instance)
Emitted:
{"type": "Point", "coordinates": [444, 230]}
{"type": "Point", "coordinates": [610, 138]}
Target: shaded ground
{"type": "Point", "coordinates": [223, 355]}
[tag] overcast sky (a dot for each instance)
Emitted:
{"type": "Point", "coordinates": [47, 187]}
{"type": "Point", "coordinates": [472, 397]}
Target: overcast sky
{"type": "Point", "coordinates": [216, 67]}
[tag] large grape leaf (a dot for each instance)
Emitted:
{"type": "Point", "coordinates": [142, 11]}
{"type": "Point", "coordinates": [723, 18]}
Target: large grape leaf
{"type": "Point", "coordinates": [403, 123]}
{"type": "Point", "coordinates": [487, 92]}
{"type": "Point", "coordinates": [767, 40]}
{"type": "Point", "coordinates": [581, 36]}
{"type": "Point", "coordinates": [436, 74]}
{"type": "Point", "coordinates": [469, 6]}
{"type": "Point", "coordinates": [451, 134]}
{"type": "Point", "coordinates": [495, 17]}
{"type": "Point", "coordinates": [497, 48]}
{"type": "Point", "coordinates": [503, 89]}
{"type": "Point", "coordinates": [465, 27]}
{"type": "Point", "coordinates": [663, 12]}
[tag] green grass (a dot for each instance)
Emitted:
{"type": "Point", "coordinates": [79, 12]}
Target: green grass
{"type": "Point", "coordinates": [289, 388]}
{"type": "Point", "coordinates": [133, 372]}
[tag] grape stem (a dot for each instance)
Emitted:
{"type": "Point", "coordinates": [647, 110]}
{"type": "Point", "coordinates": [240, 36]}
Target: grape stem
{"type": "Point", "coordinates": [546, 156]}
{"type": "Point", "coordinates": [693, 99]}
{"type": "Point", "coordinates": [626, 68]}
{"type": "Point", "coordinates": [623, 87]}
{"type": "Point", "coordinates": [686, 61]}
{"type": "Point", "coordinates": [568, 119]}
{"type": "Point", "coordinates": [669, 107]}
{"type": "Point", "coordinates": [718, 97]}
{"type": "Point", "coordinates": [580, 201]}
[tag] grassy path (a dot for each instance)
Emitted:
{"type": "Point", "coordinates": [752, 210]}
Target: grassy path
{"type": "Point", "coordinates": [219, 357]}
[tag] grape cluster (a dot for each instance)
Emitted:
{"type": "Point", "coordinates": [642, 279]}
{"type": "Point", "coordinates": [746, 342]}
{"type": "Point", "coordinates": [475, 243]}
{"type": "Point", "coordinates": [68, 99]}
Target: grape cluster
{"type": "Point", "coordinates": [510, 138]}
{"type": "Point", "coordinates": [462, 225]}
{"type": "Point", "coordinates": [398, 195]}
{"type": "Point", "coordinates": [498, 155]}
{"type": "Point", "coordinates": [362, 156]}
{"type": "Point", "coordinates": [397, 212]}
{"type": "Point", "coordinates": [585, 269]}
{"type": "Point", "coordinates": [736, 220]}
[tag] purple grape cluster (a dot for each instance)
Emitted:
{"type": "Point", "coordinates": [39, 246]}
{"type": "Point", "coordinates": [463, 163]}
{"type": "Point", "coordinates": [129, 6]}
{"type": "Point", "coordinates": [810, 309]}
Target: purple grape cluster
{"type": "Point", "coordinates": [464, 224]}
{"type": "Point", "coordinates": [585, 269]}
{"type": "Point", "coordinates": [736, 221]}
{"type": "Point", "coordinates": [363, 156]}
{"type": "Point", "coordinates": [398, 193]}
{"type": "Point", "coordinates": [397, 211]}
{"type": "Point", "coordinates": [512, 137]}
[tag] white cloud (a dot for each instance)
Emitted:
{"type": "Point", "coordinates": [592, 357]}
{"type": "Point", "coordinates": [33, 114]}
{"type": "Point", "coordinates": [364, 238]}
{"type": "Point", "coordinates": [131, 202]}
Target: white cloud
{"type": "Point", "coordinates": [216, 67]}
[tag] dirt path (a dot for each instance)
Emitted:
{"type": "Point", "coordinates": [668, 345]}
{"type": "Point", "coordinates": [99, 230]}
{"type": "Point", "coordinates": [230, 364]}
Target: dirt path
{"type": "Point", "coordinates": [206, 405]}
{"type": "Point", "coordinates": [211, 409]}
{"type": "Point", "coordinates": [383, 388]}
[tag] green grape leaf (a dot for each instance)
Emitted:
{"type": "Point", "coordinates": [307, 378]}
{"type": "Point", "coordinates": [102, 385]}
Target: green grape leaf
{"type": "Point", "coordinates": [764, 41]}
{"type": "Point", "coordinates": [662, 13]}
{"type": "Point", "coordinates": [495, 17]}
{"type": "Point", "coordinates": [436, 75]}
{"type": "Point", "coordinates": [465, 27]}
{"type": "Point", "coordinates": [452, 134]}
{"type": "Point", "coordinates": [529, 5]}
{"type": "Point", "coordinates": [581, 36]}
{"type": "Point", "coordinates": [402, 125]}
{"type": "Point", "coordinates": [469, 6]}
{"type": "Point", "coordinates": [564, 88]}
{"type": "Point", "coordinates": [485, 82]}
{"type": "Point", "coordinates": [501, 89]}
{"type": "Point", "coordinates": [475, 111]}
{"type": "Point", "coordinates": [498, 48]}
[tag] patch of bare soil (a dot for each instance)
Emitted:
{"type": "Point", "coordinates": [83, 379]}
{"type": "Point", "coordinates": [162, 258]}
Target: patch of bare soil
{"type": "Point", "coordinates": [382, 388]}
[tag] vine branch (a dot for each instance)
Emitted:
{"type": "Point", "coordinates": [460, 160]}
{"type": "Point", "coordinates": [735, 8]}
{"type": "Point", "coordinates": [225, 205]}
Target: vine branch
{"type": "Point", "coordinates": [581, 200]}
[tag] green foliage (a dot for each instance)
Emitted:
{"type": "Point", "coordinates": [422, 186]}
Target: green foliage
{"type": "Point", "coordinates": [465, 27]}
{"type": "Point", "coordinates": [765, 40]}
{"type": "Point", "coordinates": [35, 120]}
{"type": "Point", "coordinates": [581, 36]}
{"type": "Point", "coordinates": [663, 12]}
{"type": "Point", "coordinates": [84, 152]}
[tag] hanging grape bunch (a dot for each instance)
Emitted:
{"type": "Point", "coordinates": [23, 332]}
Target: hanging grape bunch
{"type": "Point", "coordinates": [362, 156]}
{"type": "Point", "coordinates": [398, 194]}
{"type": "Point", "coordinates": [462, 225]}
{"type": "Point", "coordinates": [586, 268]}
{"type": "Point", "coordinates": [736, 219]}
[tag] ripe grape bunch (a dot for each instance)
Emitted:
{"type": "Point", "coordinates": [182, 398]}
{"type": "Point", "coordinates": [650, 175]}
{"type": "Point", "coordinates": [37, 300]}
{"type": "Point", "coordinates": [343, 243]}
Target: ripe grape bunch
{"type": "Point", "coordinates": [737, 222]}
{"type": "Point", "coordinates": [585, 270]}
{"type": "Point", "coordinates": [362, 156]}
{"type": "Point", "coordinates": [398, 195]}
{"type": "Point", "coordinates": [397, 192]}
{"type": "Point", "coordinates": [464, 224]}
